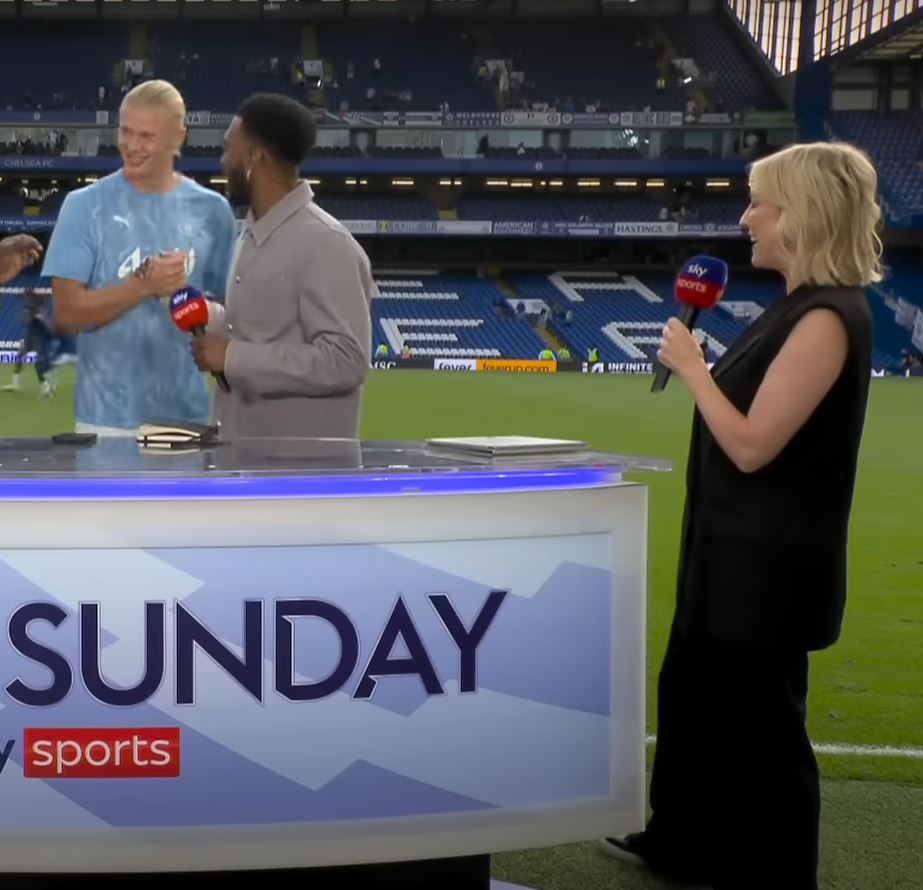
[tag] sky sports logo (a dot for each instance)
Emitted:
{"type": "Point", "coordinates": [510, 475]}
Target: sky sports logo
{"type": "Point", "coordinates": [98, 753]}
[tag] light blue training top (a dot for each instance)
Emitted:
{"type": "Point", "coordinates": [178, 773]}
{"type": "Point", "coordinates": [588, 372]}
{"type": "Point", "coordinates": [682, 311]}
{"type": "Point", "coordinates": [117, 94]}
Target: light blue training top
{"type": "Point", "coordinates": [139, 366]}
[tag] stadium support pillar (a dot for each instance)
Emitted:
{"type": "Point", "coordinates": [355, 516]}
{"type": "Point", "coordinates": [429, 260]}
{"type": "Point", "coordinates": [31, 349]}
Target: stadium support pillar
{"type": "Point", "coordinates": [137, 41]}
{"type": "Point", "coordinates": [916, 84]}
{"type": "Point", "coordinates": [812, 86]}
{"type": "Point", "coordinates": [885, 88]}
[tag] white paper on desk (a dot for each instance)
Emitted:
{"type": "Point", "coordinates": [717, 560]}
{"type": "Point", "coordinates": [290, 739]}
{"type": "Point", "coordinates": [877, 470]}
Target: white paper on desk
{"type": "Point", "coordinates": [507, 445]}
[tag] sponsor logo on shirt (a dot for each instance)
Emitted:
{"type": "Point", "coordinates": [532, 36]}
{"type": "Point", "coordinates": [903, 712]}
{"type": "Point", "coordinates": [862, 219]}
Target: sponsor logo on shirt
{"type": "Point", "coordinates": [136, 259]}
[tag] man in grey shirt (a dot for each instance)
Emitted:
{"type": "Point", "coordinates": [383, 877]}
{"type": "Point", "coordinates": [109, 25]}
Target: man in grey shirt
{"type": "Point", "coordinates": [294, 338]}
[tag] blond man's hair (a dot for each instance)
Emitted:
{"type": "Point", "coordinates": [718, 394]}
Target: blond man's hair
{"type": "Point", "coordinates": [157, 94]}
{"type": "Point", "coordinates": [831, 218]}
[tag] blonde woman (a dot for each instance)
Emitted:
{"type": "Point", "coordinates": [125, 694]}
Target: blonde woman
{"type": "Point", "coordinates": [762, 579]}
{"type": "Point", "coordinates": [134, 365]}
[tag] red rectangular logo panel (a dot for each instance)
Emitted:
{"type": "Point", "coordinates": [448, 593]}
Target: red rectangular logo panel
{"type": "Point", "coordinates": [101, 753]}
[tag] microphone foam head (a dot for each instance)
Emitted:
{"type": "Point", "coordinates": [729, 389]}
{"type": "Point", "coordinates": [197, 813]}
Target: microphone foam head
{"type": "Point", "coordinates": [189, 309]}
{"type": "Point", "coordinates": [701, 282]}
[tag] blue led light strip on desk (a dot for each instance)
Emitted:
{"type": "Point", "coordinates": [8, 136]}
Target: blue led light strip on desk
{"type": "Point", "coordinates": [159, 488]}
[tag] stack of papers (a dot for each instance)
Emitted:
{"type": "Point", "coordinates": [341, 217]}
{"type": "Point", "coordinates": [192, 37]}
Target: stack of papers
{"type": "Point", "coordinates": [501, 446]}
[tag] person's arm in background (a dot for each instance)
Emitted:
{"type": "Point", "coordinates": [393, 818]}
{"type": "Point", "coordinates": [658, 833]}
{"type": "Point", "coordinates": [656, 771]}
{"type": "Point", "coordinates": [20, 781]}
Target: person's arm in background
{"type": "Point", "coordinates": [334, 309]}
{"type": "Point", "coordinates": [17, 253]}
{"type": "Point", "coordinates": [800, 376]}
{"type": "Point", "coordinates": [70, 262]}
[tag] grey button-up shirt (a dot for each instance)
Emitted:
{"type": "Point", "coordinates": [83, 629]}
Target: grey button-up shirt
{"type": "Point", "coordinates": [297, 313]}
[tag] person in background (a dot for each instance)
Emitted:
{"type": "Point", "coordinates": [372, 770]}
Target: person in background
{"type": "Point", "coordinates": [37, 338]}
{"type": "Point", "coordinates": [140, 233]}
{"type": "Point", "coordinates": [762, 569]}
{"type": "Point", "coordinates": [295, 338]}
{"type": "Point", "coordinates": [17, 253]}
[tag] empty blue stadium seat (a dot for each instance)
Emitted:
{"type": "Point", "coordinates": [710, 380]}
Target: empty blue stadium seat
{"type": "Point", "coordinates": [480, 329]}
{"type": "Point", "coordinates": [895, 144]}
{"type": "Point", "coordinates": [708, 40]}
{"type": "Point", "coordinates": [47, 58]}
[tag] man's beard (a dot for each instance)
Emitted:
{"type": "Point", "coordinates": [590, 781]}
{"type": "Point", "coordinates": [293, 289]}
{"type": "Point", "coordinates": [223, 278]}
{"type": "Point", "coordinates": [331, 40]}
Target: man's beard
{"type": "Point", "coordinates": [238, 188]}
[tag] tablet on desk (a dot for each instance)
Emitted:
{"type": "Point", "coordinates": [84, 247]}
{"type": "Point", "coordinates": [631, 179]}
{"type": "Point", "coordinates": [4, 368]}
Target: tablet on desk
{"type": "Point", "coordinates": [507, 446]}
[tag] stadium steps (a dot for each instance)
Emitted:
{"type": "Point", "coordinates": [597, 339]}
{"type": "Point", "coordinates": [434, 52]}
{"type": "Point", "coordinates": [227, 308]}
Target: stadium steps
{"type": "Point", "coordinates": [310, 50]}
{"type": "Point", "coordinates": [549, 337]}
{"type": "Point", "coordinates": [137, 42]}
{"type": "Point", "coordinates": [451, 213]}
{"type": "Point", "coordinates": [507, 288]}
{"type": "Point", "coordinates": [309, 45]}
{"type": "Point", "coordinates": [702, 99]}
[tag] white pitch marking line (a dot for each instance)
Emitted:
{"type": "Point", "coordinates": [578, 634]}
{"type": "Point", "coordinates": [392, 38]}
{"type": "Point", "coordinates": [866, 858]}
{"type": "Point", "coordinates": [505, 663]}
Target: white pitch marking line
{"type": "Point", "coordinates": [841, 750]}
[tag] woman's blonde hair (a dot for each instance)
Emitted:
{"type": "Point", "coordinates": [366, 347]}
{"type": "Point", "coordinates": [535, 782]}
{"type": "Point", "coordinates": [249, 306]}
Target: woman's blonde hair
{"type": "Point", "coordinates": [830, 221]}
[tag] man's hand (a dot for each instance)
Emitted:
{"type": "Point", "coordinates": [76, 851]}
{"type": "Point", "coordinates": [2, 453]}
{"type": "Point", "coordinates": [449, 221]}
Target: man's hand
{"type": "Point", "coordinates": [209, 352]}
{"type": "Point", "coordinates": [17, 253]}
{"type": "Point", "coordinates": [164, 275]}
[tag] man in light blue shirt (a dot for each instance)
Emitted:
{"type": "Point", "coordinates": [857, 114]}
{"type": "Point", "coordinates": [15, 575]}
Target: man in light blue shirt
{"type": "Point", "coordinates": [141, 233]}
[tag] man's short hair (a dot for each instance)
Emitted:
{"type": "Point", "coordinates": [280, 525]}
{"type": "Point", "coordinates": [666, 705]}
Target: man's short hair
{"type": "Point", "coordinates": [283, 126]}
{"type": "Point", "coordinates": [157, 94]}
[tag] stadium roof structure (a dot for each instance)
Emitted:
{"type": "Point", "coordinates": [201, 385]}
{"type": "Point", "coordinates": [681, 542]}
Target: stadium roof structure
{"type": "Point", "coordinates": [906, 44]}
{"type": "Point", "coordinates": [902, 41]}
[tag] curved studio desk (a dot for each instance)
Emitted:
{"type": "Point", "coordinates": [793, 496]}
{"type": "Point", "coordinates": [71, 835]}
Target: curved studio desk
{"type": "Point", "coordinates": [302, 653]}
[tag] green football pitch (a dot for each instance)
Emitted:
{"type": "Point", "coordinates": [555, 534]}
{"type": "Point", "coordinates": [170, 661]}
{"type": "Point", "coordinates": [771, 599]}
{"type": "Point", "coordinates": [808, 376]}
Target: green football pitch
{"type": "Point", "coordinates": [866, 704]}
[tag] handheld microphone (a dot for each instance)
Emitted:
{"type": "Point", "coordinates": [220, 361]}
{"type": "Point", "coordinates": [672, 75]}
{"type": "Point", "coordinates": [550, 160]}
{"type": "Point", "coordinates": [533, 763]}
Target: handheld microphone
{"type": "Point", "coordinates": [189, 310]}
{"type": "Point", "coordinates": [700, 285]}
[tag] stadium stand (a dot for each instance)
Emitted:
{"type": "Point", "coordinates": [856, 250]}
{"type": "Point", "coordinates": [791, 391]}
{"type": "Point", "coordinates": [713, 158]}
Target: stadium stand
{"type": "Point", "coordinates": [192, 53]}
{"type": "Point", "coordinates": [564, 63]}
{"type": "Point", "coordinates": [622, 315]}
{"type": "Point", "coordinates": [575, 209]}
{"type": "Point", "coordinates": [895, 143]}
{"type": "Point", "coordinates": [604, 65]}
{"type": "Point", "coordinates": [58, 65]}
{"type": "Point", "coordinates": [421, 66]}
{"type": "Point", "coordinates": [450, 316]}
{"type": "Point", "coordinates": [458, 316]}
{"type": "Point", "coordinates": [709, 41]}
{"type": "Point", "coordinates": [607, 64]}
{"type": "Point", "coordinates": [11, 204]}
{"type": "Point", "coordinates": [903, 274]}
{"type": "Point", "coordinates": [597, 209]}
{"type": "Point", "coordinates": [619, 315]}
{"type": "Point", "coordinates": [529, 207]}
{"type": "Point", "coordinates": [363, 206]}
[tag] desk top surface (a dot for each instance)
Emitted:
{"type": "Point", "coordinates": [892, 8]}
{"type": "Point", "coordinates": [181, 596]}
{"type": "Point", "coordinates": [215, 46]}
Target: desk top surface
{"type": "Point", "coordinates": [39, 468]}
{"type": "Point", "coordinates": [40, 457]}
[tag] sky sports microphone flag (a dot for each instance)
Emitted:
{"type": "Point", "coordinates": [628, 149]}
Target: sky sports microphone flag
{"type": "Point", "coordinates": [700, 285]}
{"type": "Point", "coordinates": [190, 314]}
